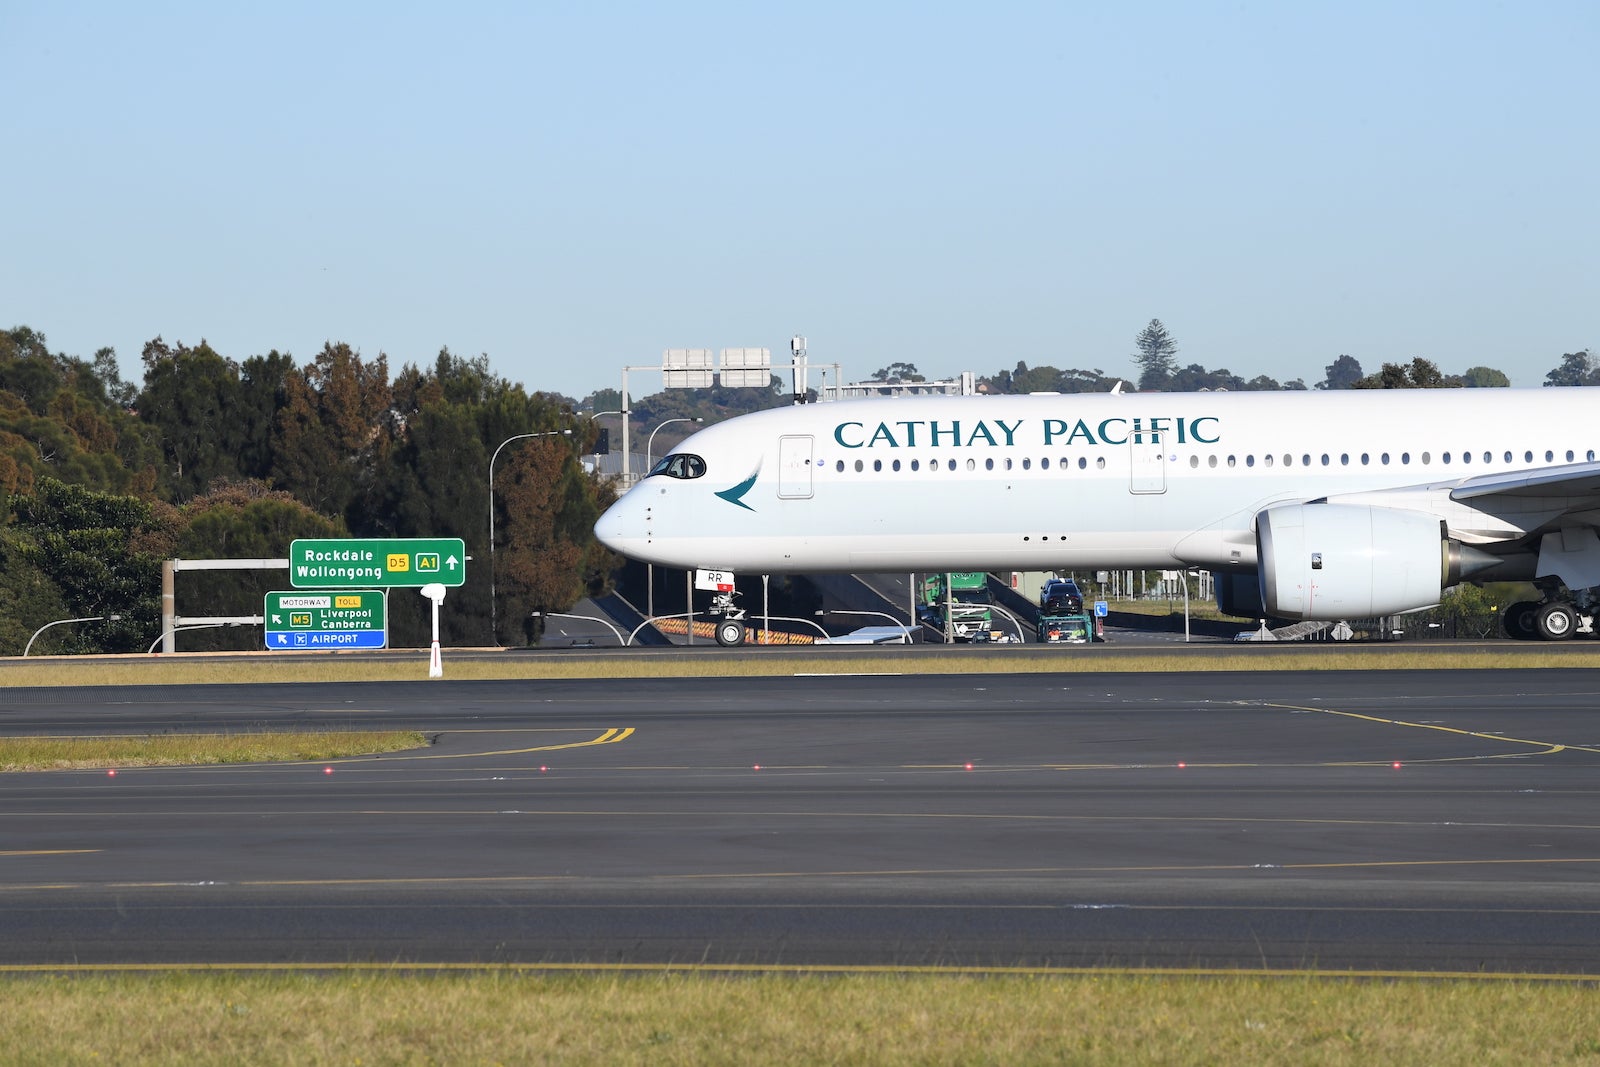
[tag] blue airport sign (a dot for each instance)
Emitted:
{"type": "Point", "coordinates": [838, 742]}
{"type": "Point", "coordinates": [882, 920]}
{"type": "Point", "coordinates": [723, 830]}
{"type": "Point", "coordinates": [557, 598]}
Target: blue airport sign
{"type": "Point", "coordinates": [302, 621]}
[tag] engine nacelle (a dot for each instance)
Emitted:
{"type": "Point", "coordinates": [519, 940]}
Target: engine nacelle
{"type": "Point", "coordinates": [1350, 561]}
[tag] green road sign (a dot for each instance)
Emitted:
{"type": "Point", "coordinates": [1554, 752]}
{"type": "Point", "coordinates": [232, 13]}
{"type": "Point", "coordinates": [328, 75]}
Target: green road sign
{"type": "Point", "coordinates": [348, 563]}
{"type": "Point", "coordinates": [299, 620]}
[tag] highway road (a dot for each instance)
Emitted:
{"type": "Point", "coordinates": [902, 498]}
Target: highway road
{"type": "Point", "coordinates": [1430, 821]}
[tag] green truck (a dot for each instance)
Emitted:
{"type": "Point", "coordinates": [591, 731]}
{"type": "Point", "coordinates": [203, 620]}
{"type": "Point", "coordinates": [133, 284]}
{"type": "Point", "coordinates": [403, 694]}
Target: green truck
{"type": "Point", "coordinates": [967, 604]}
{"type": "Point", "coordinates": [1062, 618]}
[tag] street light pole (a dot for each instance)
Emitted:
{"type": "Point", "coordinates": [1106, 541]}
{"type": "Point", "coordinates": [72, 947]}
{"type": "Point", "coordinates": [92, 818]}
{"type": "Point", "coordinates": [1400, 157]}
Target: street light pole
{"type": "Point", "coordinates": [650, 445]}
{"type": "Point", "coordinates": [63, 622]}
{"type": "Point", "coordinates": [494, 631]}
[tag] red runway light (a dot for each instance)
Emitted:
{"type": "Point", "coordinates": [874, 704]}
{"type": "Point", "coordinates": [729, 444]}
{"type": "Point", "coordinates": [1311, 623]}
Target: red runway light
{"type": "Point", "coordinates": [327, 770]}
{"type": "Point", "coordinates": [757, 767]}
{"type": "Point", "coordinates": [112, 773]}
{"type": "Point", "coordinates": [969, 766]}
{"type": "Point", "coordinates": [543, 768]}
{"type": "Point", "coordinates": [1182, 765]}
{"type": "Point", "coordinates": [1397, 765]}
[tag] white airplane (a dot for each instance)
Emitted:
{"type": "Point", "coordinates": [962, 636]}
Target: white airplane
{"type": "Point", "coordinates": [1308, 505]}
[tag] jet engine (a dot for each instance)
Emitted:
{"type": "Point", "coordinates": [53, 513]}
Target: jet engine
{"type": "Point", "coordinates": [1351, 561]}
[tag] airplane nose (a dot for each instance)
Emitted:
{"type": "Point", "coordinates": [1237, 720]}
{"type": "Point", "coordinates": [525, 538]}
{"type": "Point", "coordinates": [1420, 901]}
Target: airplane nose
{"type": "Point", "coordinates": [622, 529]}
{"type": "Point", "coordinates": [608, 528]}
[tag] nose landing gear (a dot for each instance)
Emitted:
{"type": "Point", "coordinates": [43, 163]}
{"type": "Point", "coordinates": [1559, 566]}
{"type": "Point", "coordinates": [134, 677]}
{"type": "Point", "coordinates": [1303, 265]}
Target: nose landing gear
{"type": "Point", "coordinates": [730, 620]}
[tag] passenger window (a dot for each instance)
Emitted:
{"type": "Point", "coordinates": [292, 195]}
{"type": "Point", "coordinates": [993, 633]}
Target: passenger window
{"type": "Point", "coordinates": [896, 464]}
{"type": "Point", "coordinates": [1466, 457]}
{"type": "Point", "coordinates": [839, 466]}
{"type": "Point", "coordinates": [1405, 457]}
{"type": "Point", "coordinates": [1008, 463]}
{"type": "Point", "coordinates": [1083, 463]}
{"type": "Point", "coordinates": [1044, 464]}
{"type": "Point", "coordinates": [1100, 463]}
{"type": "Point", "coordinates": [1194, 461]}
{"type": "Point", "coordinates": [1344, 459]}
{"type": "Point", "coordinates": [915, 466]}
{"type": "Point", "coordinates": [877, 464]}
{"type": "Point", "coordinates": [1232, 462]}
{"type": "Point", "coordinates": [1527, 457]}
{"type": "Point", "coordinates": [972, 464]}
{"type": "Point", "coordinates": [1384, 459]}
{"type": "Point", "coordinates": [1250, 461]}
{"type": "Point", "coordinates": [1211, 461]}
{"type": "Point", "coordinates": [1425, 458]}
{"type": "Point", "coordinates": [1324, 459]}
{"type": "Point", "coordinates": [1445, 458]}
{"type": "Point", "coordinates": [1267, 460]}
{"type": "Point", "coordinates": [988, 464]}
{"type": "Point", "coordinates": [1508, 456]}
{"type": "Point", "coordinates": [951, 464]}
{"type": "Point", "coordinates": [1365, 459]}
{"type": "Point", "coordinates": [1569, 455]}
{"type": "Point", "coordinates": [1305, 460]}
{"type": "Point", "coordinates": [1549, 457]}
{"type": "Point", "coordinates": [860, 466]}
{"type": "Point", "coordinates": [1027, 464]}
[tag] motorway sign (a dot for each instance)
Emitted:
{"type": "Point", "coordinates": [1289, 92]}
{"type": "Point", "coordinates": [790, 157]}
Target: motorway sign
{"type": "Point", "coordinates": [352, 563]}
{"type": "Point", "coordinates": [297, 621]}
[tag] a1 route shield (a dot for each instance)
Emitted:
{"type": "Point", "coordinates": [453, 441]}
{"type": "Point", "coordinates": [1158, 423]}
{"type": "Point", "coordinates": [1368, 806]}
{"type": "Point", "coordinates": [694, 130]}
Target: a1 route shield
{"type": "Point", "coordinates": [300, 621]}
{"type": "Point", "coordinates": [361, 563]}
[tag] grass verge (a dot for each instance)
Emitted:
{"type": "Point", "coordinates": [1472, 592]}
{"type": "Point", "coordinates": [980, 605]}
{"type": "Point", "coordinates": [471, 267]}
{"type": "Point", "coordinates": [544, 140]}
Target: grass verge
{"type": "Point", "coordinates": [665, 1019]}
{"type": "Point", "coordinates": [778, 662]}
{"type": "Point", "coordinates": [172, 750]}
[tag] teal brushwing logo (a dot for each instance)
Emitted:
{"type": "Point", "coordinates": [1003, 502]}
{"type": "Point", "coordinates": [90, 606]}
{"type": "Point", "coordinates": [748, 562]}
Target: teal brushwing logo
{"type": "Point", "coordinates": [736, 494]}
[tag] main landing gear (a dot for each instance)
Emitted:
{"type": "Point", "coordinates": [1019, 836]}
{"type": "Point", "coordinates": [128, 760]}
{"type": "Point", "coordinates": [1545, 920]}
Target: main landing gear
{"type": "Point", "coordinates": [1558, 617]}
{"type": "Point", "coordinates": [730, 620]}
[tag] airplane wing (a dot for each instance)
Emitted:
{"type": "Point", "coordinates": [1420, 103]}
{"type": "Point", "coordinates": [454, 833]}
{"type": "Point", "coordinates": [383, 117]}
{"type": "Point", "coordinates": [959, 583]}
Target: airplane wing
{"type": "Point", "coordinates": [1577, 482]}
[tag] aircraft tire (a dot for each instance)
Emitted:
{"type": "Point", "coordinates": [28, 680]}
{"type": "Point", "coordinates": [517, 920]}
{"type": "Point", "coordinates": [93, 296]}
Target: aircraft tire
{"type": "Point", "coordinates": [1556, 621]}
{"type": "Point", "coordinates": [730, 633]}
{"type": "Point", "coordinates": [1519, 620]}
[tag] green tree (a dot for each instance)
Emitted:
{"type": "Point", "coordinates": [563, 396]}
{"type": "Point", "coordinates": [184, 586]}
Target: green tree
{"type": "Point", "coordinates": [330, 435]}
{"type": "Point", "coordinates": [1194, 378]}
{"type": "Point", "coordinates": [27, 370]}
{"type": "Point", "coordinates": [263, 392]}
{"type": "Point", "coordinates": [236, 520]}
{"type": "Point", "coordinates": [1342, 373]}
{"type": "Point", "coordinates": [59, 419]}
{"type": "Point", "coordinates": [1484, 378]}
{"type": "Point", "coordinates": [550, 557]}
{"type": "Point", "coordinates": [898, 372]}
{"type": "Point", "coordinates": [1577, 368]}
{"type": "Point", "coordinates": [28, 598]}
{"type": "Point", "coordinates": [1418, 374]}
{"type": "Point", "coordinates": [191, 399]}
{"type": "Point", "coordinates": [1156, 356]}
{"type": "Point", "coordinates": [102, 553]}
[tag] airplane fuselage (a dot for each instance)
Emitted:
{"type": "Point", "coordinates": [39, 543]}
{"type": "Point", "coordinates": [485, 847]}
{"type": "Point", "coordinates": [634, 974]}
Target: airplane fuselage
{"type": "Point", "coordinates": [1078, 481]}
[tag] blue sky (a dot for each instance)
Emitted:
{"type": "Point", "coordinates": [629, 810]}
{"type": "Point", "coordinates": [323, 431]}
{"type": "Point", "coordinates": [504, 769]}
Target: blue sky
{"type": "Point", "coordinates": [574, 187]}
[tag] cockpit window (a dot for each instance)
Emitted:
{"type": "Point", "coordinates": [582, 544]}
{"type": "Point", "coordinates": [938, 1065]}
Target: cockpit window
{"type": "Point", "coordinates": [679, 465]}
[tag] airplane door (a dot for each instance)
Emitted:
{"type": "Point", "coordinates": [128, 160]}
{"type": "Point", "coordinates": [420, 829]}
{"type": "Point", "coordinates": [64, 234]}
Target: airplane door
{"type": "Point", "coordinates": [794, 467]}
{"type": "Point", "coordinates": [1147, 473]}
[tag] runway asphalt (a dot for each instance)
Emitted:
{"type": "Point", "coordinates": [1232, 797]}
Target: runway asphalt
{"type": "Point", "coordinates": [1404, 821]}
